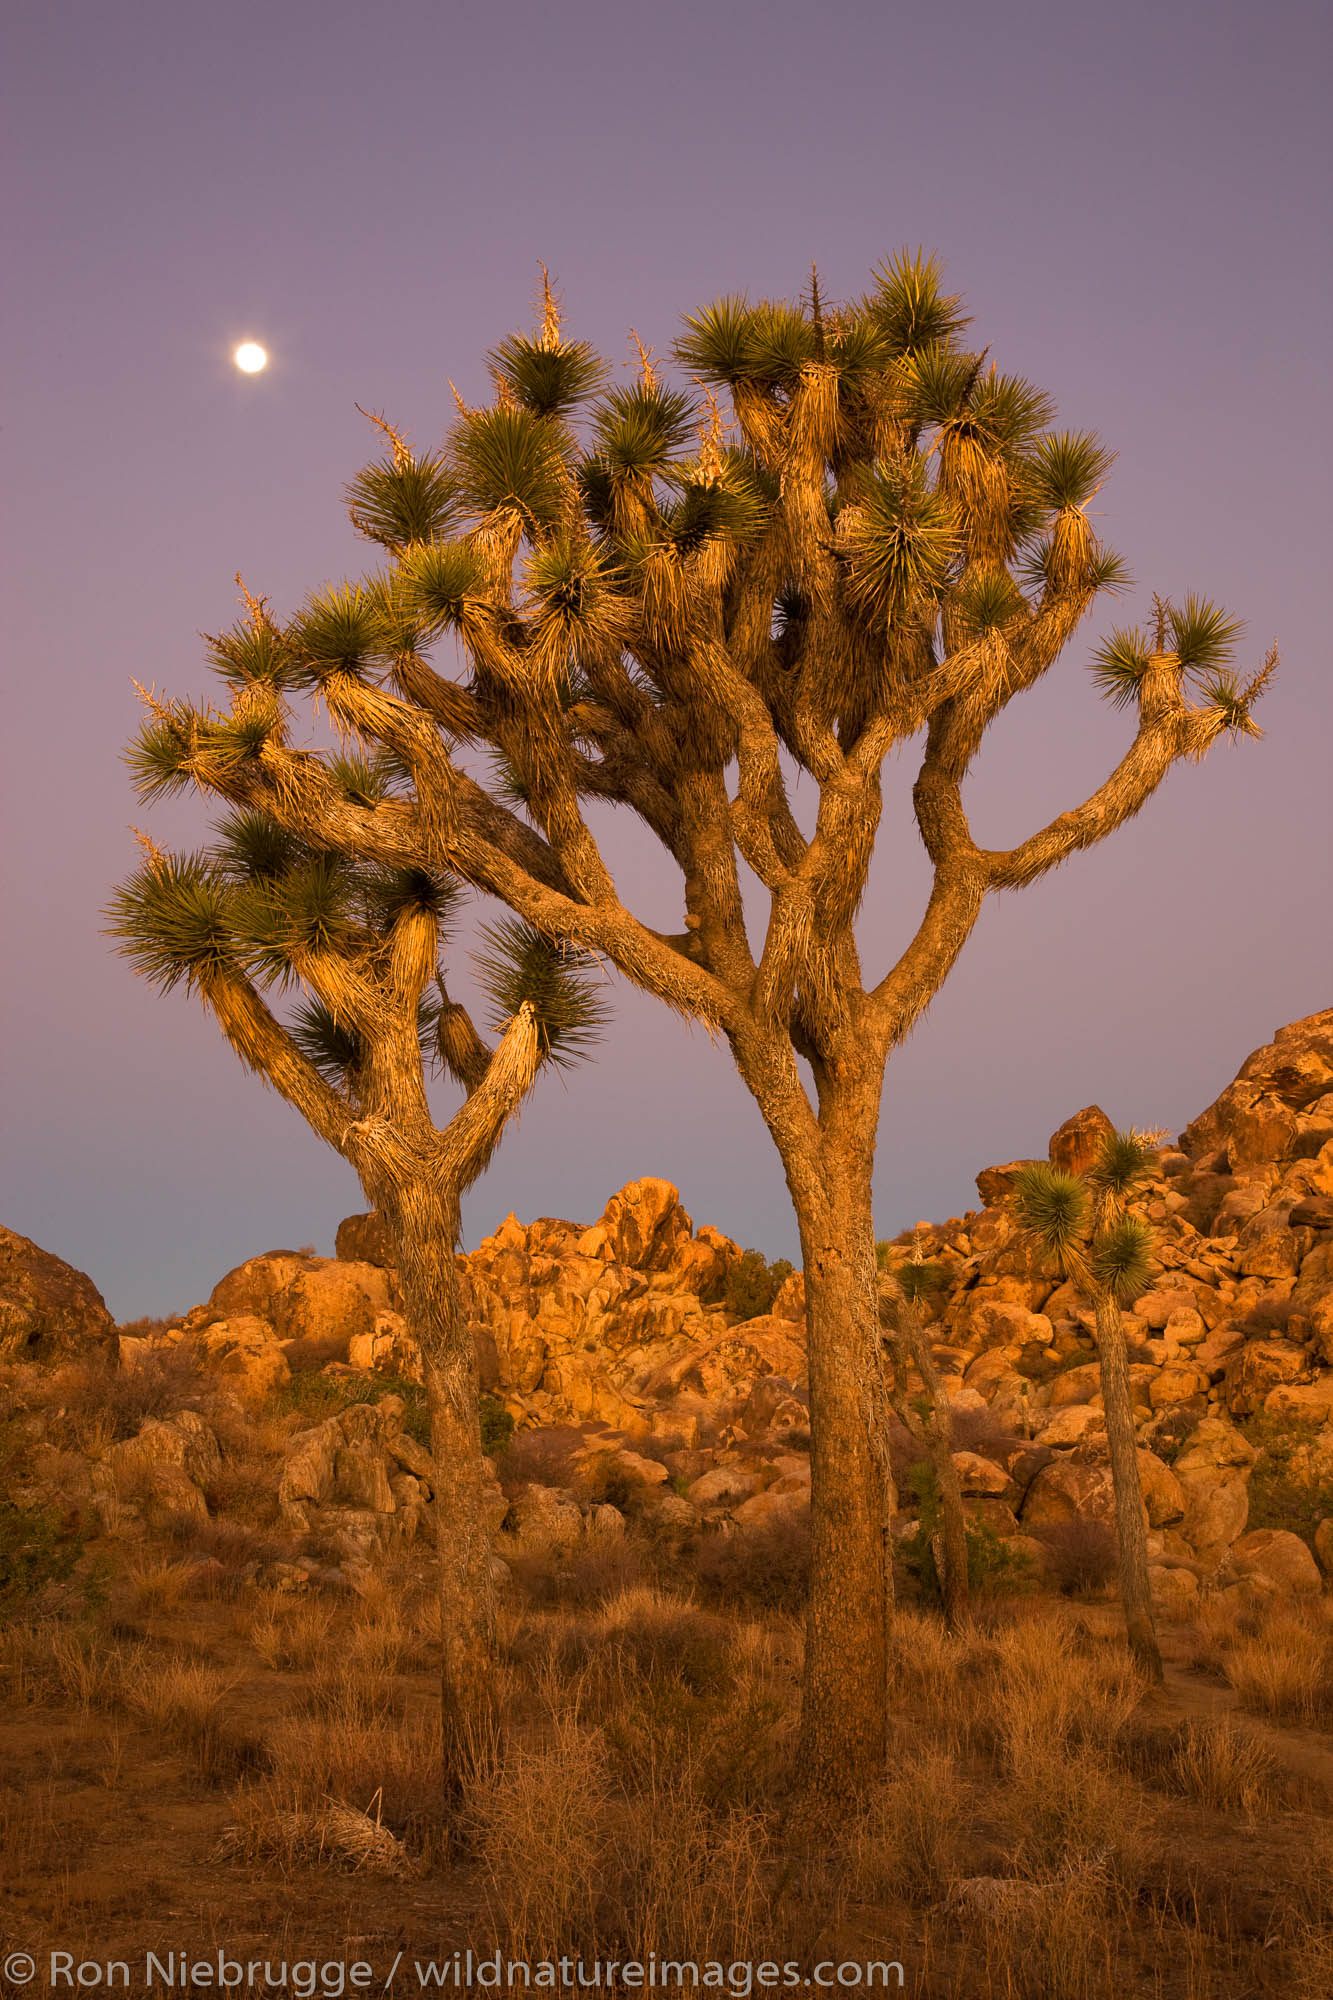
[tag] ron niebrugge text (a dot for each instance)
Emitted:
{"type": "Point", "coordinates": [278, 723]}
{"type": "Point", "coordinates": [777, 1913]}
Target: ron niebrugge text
{"type": "Point", "coordinates": [187, 1973]}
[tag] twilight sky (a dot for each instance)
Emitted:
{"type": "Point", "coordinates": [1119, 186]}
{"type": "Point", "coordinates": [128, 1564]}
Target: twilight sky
{"type": "Point", "coordinates": [1134, 200]}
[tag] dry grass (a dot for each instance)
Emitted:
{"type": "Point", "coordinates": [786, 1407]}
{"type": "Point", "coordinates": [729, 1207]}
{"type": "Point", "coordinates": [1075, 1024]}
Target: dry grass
{"type": "Point", "coordinates": [1285, 1671]}
{"type": "Point", "coordinates": [1225, 1766]}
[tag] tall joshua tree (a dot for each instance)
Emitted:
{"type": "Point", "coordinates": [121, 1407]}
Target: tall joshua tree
{"type": "Point", "coordinates": [638, 597]}
{"type": "Point", "coordinates": [1085, 1224]}
{"type": "Point", "coordinates": [267, 908]}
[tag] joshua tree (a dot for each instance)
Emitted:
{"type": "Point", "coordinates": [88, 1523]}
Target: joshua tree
{"type": "Point", "coordinates": [266, 908]}
{"type": "Point", "coordinates": [1084, 1223]}
{"type": "Point", "coordinates": [635, 597]}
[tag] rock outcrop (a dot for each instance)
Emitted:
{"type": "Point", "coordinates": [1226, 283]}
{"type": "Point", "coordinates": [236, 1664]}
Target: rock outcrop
{"type": "Point", "coordinates": [47, 1308]}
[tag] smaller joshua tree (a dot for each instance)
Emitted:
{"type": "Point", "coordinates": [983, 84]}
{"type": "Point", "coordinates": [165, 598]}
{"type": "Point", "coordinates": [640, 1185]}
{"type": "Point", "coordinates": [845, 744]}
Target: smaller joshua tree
{"type": "Point", "coordinates": [262, 910]}
{"type": "Point", "coordinates": [904, 1345]}
{"type": "Point", "coordinates": [1086, 1225]}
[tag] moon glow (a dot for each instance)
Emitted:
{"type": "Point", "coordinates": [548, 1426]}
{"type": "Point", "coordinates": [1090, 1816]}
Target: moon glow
{"type": "Point", "coordinates": [250, 357]}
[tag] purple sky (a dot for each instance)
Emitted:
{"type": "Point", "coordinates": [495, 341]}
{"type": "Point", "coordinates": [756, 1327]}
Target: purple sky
{"type": "Point", "coordinates": [1132, 197]}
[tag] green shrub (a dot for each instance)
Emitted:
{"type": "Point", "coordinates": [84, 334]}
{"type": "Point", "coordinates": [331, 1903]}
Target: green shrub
{"type": "Point", "coordinates": [497, 1426]}
{"type": "Point", "coordinates": [36, 1551]}
{"type": "Point", "coordinates": [754, 1283]}
{"type": "Point", "coordinates": [316, 1397]}
{"type": "Point", "coordinates": [1284, 1490]}
{"type": "Point", "coordinates": [992, 1569]}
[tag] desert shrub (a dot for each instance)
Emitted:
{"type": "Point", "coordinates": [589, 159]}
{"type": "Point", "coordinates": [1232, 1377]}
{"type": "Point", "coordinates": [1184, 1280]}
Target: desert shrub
{"type": "Point", "coordinates": [1224, 1765]}
{"type": "Point", "coordinates": [1081, 1554]}
{"type": "Point", "coordinates": [497, 1426]}
{"type": "Point", "coordinates": [315, 1397]}
{"type": "Point", "coordinates": [753, 1284]}
{"type": "Point", "coordinates": [1266, 1318]}
{"type": "Point", "coordinates": [1285, 1491]}
{"type": "Point", "coordinates": [768, 1566]}
{"type": "Point", "coordinates": [983, 1432]}
{"type": "Point", "coordinates": [992, 1569]}
{"type": "Point", "coordinates": [98, 1396]}
{"type": "Point", "coordinates": [542, 1457]}
{"type": "Point", "coordinates": [39, 1553]}
{"type": "Point", "coordinates": [606, 1480]}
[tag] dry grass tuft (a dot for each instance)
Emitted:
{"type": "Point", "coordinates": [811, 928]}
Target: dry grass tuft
{"type": "Point", "coordinates": [1284, 1671]}
{"type": "Point", "coordinates": [329, 1833]}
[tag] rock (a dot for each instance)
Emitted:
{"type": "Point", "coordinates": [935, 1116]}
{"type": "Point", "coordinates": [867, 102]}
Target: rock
{"type": "Point", "coordinates": [772, 1405]}
{"type": "Point", "coordinates": [164, 1470]}
{"type": "Point", "coordinates": [1313, 1212]}
{"type": "Point", "coordinates": [642, 1226]}
{"type": "Point", "coordinates": [388, 1348]}
{"type": "Point", "coordinates": [331, 1302]}
{"type": "Point", "coordinates": [360, 1478]}
{"type": "Point", "coordinates": [1163, 1494]}
{"type": "Point", "coordinates": [981, 1476]}
{"type": "Point", "coordinates": [1174, 1589]}
{"type": "Point", "coordinates": [1078, 1142]}
{"type": "Point", "coordinates": [245, 1351]}
{"type": "Point", "coordinates": [1157, 1308]}
{"type": "Point", "coordinates": [721, 1486]}
{"type": "Point", "coordinates": [995, 1184]}
{"type": "Point", "coordinates": [1303, 1402]}
{"type": "Point", "coordinates": [364, 1239]}
{"type": "Point", "coordinates": [1216, 1511]}
{"type": "Point", "coordinates": [1268, 1246]}
{"type": "Point", "coordinates": [544, 1521]}
{"type": "Point", "coordinates": [1259, 1115]}
{"type": "Point", "coordinates": [48, 1310]}
{"type": "Point", "coordinates": [1067, 1490]}
{"type": "Point", "coordinates": [770, 1509]}
{"type": "Point", "coordinates": [1176, 1382]}
{"type": "Point", "coordinates": [1323, 1544]}
{"type": "Point", "coordinates": [1276, 1558]}
{"type": "Point", "coordinates": [1258, 1367]}
{"type": "Point", "coordinates": [249, 1290]}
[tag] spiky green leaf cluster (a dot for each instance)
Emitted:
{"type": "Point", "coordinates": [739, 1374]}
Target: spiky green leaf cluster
{"type": "Point", "coordinates": [332, 1046]}
{"type": "Point", "coordinates": [1052, 1205]}
{"type": "Point", "coordinates": [550, 378]}
{"type": "Point", "coordinates": [338, 631]}
{"type": "Point", "coordinates": [508, 460]}
{"type": "Point", "coordinates": [174, 921]}
{"type": "Point", "coordinates": [899, 544]}
{"type": "Point", "coordinates": [404, 499]}
{"type": "Point", "coordinates": [911, 307]}
{"type": "Point", "coordinates": [1125, 1164]}
{"type": "Point", "coordinates": [517, 964]}
{"type": "Point", "coordinates": [1120, 1259]}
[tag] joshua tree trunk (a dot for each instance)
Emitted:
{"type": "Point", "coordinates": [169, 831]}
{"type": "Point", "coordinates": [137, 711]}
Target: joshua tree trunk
{"type": "Point", "coordinates": [425, 1227]}
{"type": "Point", "coordinates": [1122, 1444]}
{"type": "Point", "coordinates": [851, 1494]}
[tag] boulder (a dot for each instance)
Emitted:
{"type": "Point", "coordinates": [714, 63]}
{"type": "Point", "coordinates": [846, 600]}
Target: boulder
{"type": "Point", "coordinates": [1067, 1490]}
{"type": "Point", "coordinates": [544, 1521]}
{"type": "Point", "coordinates": [1258, 1367]}
{"type": "Point", "coordinates": [48, 1310]}
{"type": "Point", "coordinates": [248, 1291]}
{"type": "Point", "coordinates": [995, 1184]}
{"type": "Point", "coordinates": [1071, 1423]}
{"type": "Point", "coordinates": [1216, 1510]}
{"type": "Point", "coordinates": [1163, 1494]}
{"type": "Point", "coordinates": [162, 1471]}
{"type": "Point", "coordinates": [1323, 1544]}
{"type": "Point", "coordinates": [981, 1477]}
{"type": "Point", "coordinates": [245, 1351]}
{"type": "Point", "coordinates": [1259, 1115]}
{"type": "Point", "coordinates": [364, 1239]}
{"type": "Point", "coordinates": [643, 1226]}
{"type": "Point", "coordinates": [1078, 1142]}
{"type": "Point", "coordinates": [1303, 1402]}
{"type": "Point", "coordinates": [1276, 1559]}
{"type": "Point", "coordinates": [721, 1486]}
{"type": "Point", "coordinates": [771, 1509]}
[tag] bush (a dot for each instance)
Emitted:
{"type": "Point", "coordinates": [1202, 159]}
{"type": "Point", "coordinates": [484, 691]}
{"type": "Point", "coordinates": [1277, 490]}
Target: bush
{"type": "Point", "coordinates": [497, 1426]}
{"type": "Point", "coordinates": [767, 1566]}
{"type": "Point", "coordinates": [36, 1552]}
{"type": "Point", "coordinates": [316, 1397]}
{"type": "Point", "coordinates": [992, 1569]}
{"type": "Point", "coordinates": [1285, 1491]}
{"type": "Point", "coordinates": [753, 1284]}
{"type": "Point", "coordinates": [1081, 1554]}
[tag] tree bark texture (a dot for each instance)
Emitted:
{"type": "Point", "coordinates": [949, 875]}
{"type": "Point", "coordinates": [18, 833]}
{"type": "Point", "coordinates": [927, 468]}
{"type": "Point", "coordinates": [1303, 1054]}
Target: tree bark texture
{"type": "Point", "coordinates": [1122, 1444]}
{"type": "Point", "coordinates": [425, 1228]}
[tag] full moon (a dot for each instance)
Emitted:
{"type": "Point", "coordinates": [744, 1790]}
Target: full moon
{"type": "Point", "coordinates": [250, 357]}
